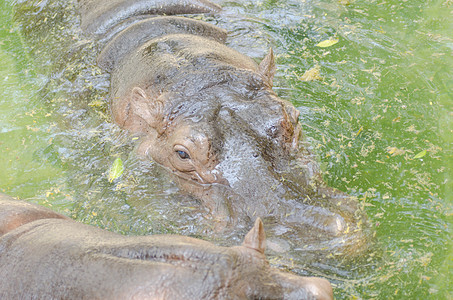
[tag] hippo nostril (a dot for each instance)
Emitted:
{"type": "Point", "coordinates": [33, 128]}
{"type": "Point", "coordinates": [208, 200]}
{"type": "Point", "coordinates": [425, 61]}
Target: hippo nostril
{"type": "Point", "coordinates": [272, 131]}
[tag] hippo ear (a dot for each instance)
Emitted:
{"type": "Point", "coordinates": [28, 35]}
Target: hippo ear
{"type": "Point", "coordinates": [145, 107]}
{"type": "Point", "coordinates": [267, 68]}
{"type": "Point", "coordinates": [256, 238]}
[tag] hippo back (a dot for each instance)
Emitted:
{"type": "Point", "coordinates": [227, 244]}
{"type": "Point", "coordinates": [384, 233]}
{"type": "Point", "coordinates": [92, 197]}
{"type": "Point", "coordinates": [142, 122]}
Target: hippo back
{"type": "Point", "coordinates": [99, 16]}
{"type": "Point", "coordinates": [147, 29]}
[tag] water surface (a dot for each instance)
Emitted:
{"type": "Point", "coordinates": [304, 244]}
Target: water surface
{"type": "Point", "coordinates": [378, 115]}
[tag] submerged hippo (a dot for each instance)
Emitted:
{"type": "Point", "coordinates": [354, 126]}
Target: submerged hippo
{"type": "Point", "coordinates": [45, 255]}
{"type": "Point", "coordinates": [209, 115]}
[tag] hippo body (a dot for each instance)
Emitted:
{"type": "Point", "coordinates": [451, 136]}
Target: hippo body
{"type": "Point", "coordinates": [208, 114]}
{"type": "Point", "coordinates": [44, 255]}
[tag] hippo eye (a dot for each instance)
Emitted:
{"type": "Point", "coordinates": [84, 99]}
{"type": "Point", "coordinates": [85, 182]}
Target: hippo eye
{"type": "Point", "coordinates": [183, 154]}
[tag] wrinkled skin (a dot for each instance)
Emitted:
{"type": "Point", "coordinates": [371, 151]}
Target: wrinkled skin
{"type": "Point", "coordinates": [44, 255]}
{"type": "Point", "coordinates": [208, 114]}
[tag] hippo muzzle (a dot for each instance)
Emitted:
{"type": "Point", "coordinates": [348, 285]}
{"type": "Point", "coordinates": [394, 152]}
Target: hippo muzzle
{"type": "Point", "coordinates": [244, 158]}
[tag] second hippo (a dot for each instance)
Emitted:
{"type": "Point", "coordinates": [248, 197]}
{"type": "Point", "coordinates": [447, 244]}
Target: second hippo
{"type": "Point", "coordinates": [45, 255]}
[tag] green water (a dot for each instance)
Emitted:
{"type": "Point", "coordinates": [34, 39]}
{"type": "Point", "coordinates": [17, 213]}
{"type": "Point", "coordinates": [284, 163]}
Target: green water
{"type": "Point", "coordinates": [379, 117]}
{"type": "Point", "coordinates": [24, 122]}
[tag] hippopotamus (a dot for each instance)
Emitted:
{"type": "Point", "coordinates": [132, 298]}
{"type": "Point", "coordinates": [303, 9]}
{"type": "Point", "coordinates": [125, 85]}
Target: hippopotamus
{"type": "Point", "coordinates": [208, 115]}
{"type": "Point", "coordinates": [45, 255]}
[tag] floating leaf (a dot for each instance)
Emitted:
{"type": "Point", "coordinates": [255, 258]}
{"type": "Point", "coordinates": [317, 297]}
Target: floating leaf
{"type": "Point", "coordinates": [96, 103]}
{"type": "Point", "coordinates": [358, 132]}
{"type": "Point", "coordinates": [312, 74]}
{"type": "Point", "coordinates": [116, 170]}
{"type": "Point", "coordinates": [420, 154]}
{"type": "Point", "coordinates": [327, 43]}
{"type": "Point", "coordinates": [395, 151]}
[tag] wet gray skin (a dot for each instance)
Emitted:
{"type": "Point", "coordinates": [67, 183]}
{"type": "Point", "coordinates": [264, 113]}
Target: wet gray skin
{"type": "Point", "coordinates": [100, 16]}
{"type": "Point", "coordinates": [208, 114]}
{"type": "Point", "coordinates": [44, 255]}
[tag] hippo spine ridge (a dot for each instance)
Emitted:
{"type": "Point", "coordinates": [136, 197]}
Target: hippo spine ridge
{"type": "Point", "coordinates": [148, 29]}
{"type": "Point", "coordinates": [99, 16]}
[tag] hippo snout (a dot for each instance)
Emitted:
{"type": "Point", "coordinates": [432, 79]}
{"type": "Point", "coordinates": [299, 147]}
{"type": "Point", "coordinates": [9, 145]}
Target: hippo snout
{"type": "Point", "coordinates": [295, 287]}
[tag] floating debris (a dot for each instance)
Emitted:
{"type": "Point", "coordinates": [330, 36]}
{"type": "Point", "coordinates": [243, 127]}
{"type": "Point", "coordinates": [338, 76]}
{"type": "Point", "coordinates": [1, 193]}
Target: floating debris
{"type": "Point", "coordinates": [420, 154]}
{"type": "Point", "coordinates": [116, 170]}
{"type": "Point", "coordinates": [327, 43]}
{"type": "Point", "coordinates": [312, 74]}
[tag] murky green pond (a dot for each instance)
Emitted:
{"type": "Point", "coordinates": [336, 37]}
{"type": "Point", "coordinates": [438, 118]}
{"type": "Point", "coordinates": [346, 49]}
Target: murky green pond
{"type": "Point", "coordinates": [376, 105]}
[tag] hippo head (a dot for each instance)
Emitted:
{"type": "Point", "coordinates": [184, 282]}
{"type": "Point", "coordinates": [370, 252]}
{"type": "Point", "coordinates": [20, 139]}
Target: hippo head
{"type": "Point", "coordinates": [219, 135]}
{"type": "Point", "coordinates": [98, 264]}
{"type": "Point", "coordinates": [211, 118]}
{"type": "Point", "coordinates": [259, 281]}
